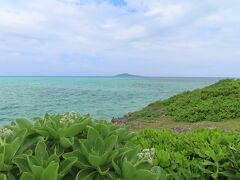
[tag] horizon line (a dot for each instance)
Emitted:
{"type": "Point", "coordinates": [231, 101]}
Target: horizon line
{"type": "Point", "coordinates": [135, 76]}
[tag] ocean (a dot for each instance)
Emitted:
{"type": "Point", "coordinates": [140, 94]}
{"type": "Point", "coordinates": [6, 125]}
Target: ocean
{"type": "Point", "coordinates": [101, 97]}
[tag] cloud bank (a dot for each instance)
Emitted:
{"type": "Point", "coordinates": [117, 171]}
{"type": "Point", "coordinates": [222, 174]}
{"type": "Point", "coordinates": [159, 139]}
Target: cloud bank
{"type": "Point", "coordinates": [100, 37]}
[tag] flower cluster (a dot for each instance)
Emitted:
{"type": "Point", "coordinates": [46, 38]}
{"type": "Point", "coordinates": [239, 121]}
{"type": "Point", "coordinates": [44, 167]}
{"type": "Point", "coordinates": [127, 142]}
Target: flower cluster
{"type": "Point", "coordinates": [5, 132]}
{"type": "Point", "coordinates": [69, 117]}
{"type": "Point", "coordinates": [147, 154]}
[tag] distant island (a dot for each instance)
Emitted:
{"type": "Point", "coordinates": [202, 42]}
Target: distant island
{"type": "Point", "coordinates": [126, 75]}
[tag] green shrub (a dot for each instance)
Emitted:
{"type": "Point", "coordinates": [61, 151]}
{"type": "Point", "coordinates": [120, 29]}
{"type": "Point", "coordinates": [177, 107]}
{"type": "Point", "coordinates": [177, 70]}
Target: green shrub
{"type": "Point", "coordinates": [218, 102]}
{"type": "Point", "coordinates": [69, 147]}
{"type": "Point", "coordinates": [199, 154]}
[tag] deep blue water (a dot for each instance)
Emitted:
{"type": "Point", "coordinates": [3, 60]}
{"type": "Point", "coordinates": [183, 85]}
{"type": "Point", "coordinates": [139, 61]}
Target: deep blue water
{"type": "Point", "coordinates": [101, 97]}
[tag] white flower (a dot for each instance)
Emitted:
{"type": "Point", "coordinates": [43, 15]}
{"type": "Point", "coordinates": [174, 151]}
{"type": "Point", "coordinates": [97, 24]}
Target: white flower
{"type": "Point", "coordinates": [147, 154]}
{"type": "Point", "coordinates": [153, 149]}
{"type": "Point", "coordinates": [69, 118]}
{"type": "Point", "coordinates": [140, 155]}
{"type": "Point", "coordinates": [5, 132]}
{"type": "Point", "coordinates": [145, 150]}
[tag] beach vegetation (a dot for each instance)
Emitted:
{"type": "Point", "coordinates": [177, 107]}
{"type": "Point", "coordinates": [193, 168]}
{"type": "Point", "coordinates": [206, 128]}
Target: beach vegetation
{"type": "Point", "coordinates": [217, 102]}
{"type": "Point", "coordinates": [196, 154]}
{"type": "Point", "coordinates": [69, 146]}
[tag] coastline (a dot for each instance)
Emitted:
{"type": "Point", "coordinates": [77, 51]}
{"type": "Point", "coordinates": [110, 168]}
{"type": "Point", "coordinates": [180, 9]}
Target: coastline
{"type": "Point", "coordinates": [157, 116]}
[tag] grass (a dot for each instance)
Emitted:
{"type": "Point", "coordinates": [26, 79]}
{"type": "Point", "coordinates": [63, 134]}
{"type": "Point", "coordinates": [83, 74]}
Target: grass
{"type": "Point", "coordinates": [169, 123]}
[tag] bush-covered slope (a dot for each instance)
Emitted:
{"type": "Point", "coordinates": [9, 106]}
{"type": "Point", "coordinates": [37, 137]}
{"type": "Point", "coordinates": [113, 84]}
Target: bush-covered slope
{"type": "Point", "coordinates": [218, 102]}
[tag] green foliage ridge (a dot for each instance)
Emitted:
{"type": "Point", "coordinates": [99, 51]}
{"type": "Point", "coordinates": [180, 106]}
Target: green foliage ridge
{"type": "Point", "coordinates": [217, 102]}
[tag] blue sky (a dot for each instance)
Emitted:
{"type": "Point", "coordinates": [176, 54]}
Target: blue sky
{"type": "Point", "coordinates": [107, 37]}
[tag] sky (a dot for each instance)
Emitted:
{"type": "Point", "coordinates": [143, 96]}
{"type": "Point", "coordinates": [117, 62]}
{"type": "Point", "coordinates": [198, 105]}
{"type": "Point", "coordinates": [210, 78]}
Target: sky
{"type": "Point", "coordinates": [186, 38]}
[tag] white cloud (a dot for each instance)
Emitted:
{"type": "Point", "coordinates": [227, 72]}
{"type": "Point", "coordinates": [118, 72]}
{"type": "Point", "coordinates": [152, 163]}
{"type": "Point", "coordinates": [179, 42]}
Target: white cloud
{"type": "Point", "coordinates": [130, 33]}
{"type": "Point", "coordinates": [150, 33]}
{"type": "Point", "coordinates": [12, 18]}
{"type": "Point", "coordinates": [166, 12]}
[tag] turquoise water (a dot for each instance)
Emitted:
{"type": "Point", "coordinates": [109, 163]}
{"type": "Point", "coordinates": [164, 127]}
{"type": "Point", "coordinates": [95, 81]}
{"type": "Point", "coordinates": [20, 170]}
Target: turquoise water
{"type": "Point", "coordinates": [101, 97]}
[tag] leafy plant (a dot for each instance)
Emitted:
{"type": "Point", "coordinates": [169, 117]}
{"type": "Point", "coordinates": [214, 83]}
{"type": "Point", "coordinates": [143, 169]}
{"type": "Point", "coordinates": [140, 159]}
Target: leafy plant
{"type": "Point", "coordinates": [217, 102]}
{"type": "Point", "coordinates": [69, 146]}
{"type": "Point", "coordinates": [198, 154]}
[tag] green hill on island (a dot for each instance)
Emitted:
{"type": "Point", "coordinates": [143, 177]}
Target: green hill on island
{"type": "Point", "coordinates": [126, 75]}
{"type": "Point", "coordinates": [215, 103]}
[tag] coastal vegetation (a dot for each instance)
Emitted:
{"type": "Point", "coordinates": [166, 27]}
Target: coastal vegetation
{"type": "Point", "coordinates": [219, 102]}
{"type": "Point", "coordinates": [71, 146]}
{"type": "Point", "coordinates": [196, 154]}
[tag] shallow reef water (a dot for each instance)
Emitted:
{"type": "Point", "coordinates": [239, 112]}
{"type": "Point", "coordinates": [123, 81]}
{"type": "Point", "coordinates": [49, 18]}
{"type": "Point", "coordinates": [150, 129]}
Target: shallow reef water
{"type": "Point", "coordinates": [101, 97]}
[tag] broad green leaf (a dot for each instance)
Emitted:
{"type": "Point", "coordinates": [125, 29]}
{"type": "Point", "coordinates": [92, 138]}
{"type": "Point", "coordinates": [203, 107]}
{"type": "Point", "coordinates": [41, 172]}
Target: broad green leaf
{"type": "Point", "coordinates": [102, 172]}
{"type": "Point", "coordinates": [53, 157]}
{"type": "Point", "coordinates": [92, 136]}
{"type": "Point", "coordinates": [66, 142]}
{"type": "Point", "coordinates": [113, 175]}
{"type": "Point", "coordinates": [75, 129]}
{"type": "Point", "coordinates": [66, 165]}
{"type": "Point", "coordinates": [41, 131]}
{"type": "Point", "coordinates": [28, 143]}
{"type": "Point", "coordinates": [100, 146]}
{"type": "Point", "coordinates": [116, 167]}
{"type": "Point", "coordinates": [163, 158]}
{"type": "Point", "coordinates": [33, 161]}
{"type": "Point", "coordinates": [72, 154]}
{"type": "Point", "coordinates": [110, 142]}
{"type": "Point", "coordinates": [24, 123]}
{"type": "Point", "coordinates": [37, 171]}
{"type": "Point", "coordinates": [144, 174]}
{"type": "Point", "coordinates": [3, 177]}
{"type": "Point", "coordinates": [83, 148]}
{"type": "Point", "coordinates": [103, 129]}
{"type": "Point", "coordinates": [22, 163]}
{"type": "Point", "coordinates": [82, 162]}
{"type": "Point", "coordinates": [132, 154]}
{"type": "Point", "coordinates": [27, 176]}
{"type": "Point", "coordinates": [85, 174]}
{"type": "Point", "coordinates": [100, 177]}
{"type": "Point", "coordinates": [142, 165]}
{"type": "Point", "coordinates": [2, 159]}
{"type": "Point", "coordinates": [52, 132]}
{"type": "Point", "coordinates": [95, 160]}
{"type": "Point", "coordinates": [51, 172]}
{"type": "Point", "coordinates": [59, 149]}
{"type": "Point", "coordinates": [128, 170]}
{"type": "Point", "coordinates": [11, 149]}
{"type": "Point", "coordinates": [41, 151]}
